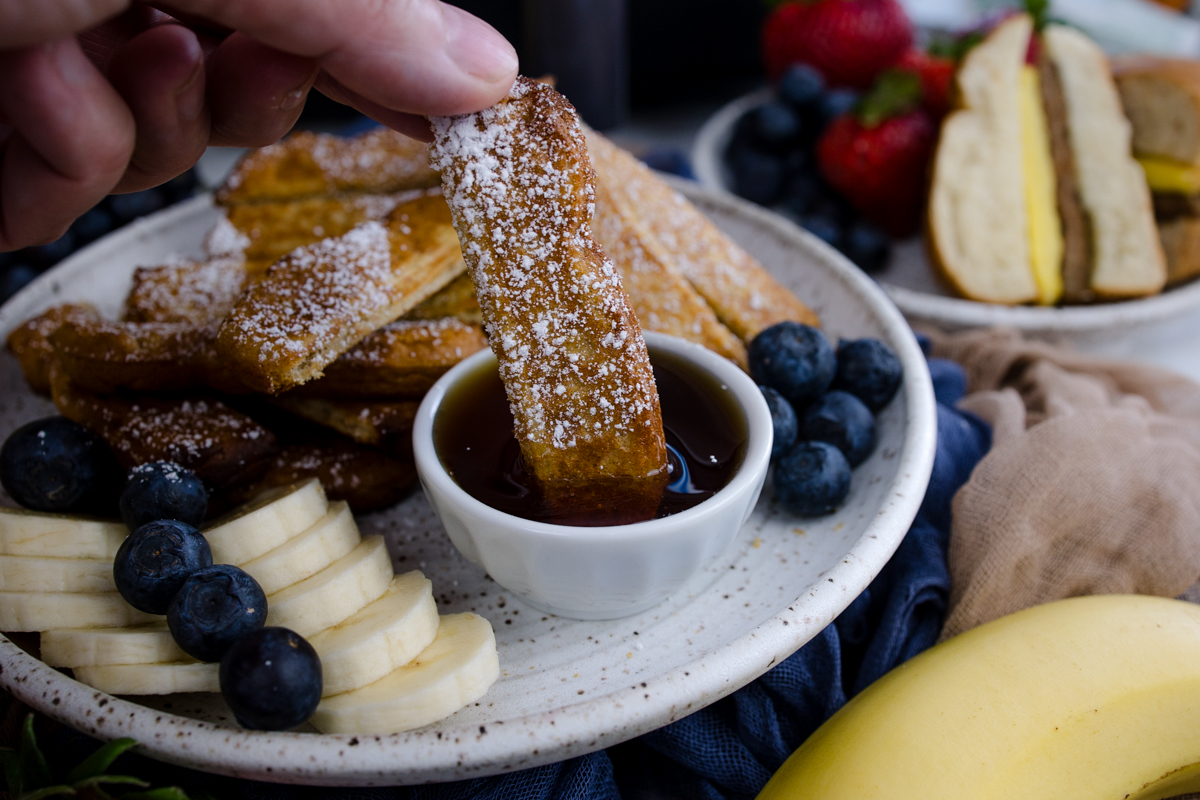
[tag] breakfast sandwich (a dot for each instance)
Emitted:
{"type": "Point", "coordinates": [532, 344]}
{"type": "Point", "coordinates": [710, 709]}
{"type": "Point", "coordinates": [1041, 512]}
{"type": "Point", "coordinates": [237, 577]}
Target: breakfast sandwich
{"type": "Point", "coordinates": [1035, 196]}
{"type": "Point", "coordinates": [1162, 99]}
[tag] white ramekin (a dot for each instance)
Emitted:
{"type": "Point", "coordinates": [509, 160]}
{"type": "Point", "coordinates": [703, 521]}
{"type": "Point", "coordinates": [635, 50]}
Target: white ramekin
{"type": "Point", "coordinates": [607, 572]}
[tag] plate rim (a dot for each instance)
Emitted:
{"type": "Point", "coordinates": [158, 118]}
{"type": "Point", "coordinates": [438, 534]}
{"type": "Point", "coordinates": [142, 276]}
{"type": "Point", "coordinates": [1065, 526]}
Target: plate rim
{"type": "Point", "coordinates": [544, 737]}
{"type": "Point", "coordinates": [957, 312]}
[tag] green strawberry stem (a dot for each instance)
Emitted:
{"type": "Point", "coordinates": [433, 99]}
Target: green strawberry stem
{"type": "Point", "coordinates": [896, 92]}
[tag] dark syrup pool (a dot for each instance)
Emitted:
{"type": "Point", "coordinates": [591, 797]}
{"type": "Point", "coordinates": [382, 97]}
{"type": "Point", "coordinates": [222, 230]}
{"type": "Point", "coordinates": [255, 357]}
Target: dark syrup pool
{"type": "Point", "coordinates": [705, 429]}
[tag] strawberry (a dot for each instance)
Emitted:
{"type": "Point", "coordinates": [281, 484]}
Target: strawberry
{"type": "Point", "coordinates": [877, 155]}
{"type": "Point", "coordinates": [937, 78]}
{"type": "Point", "coordinates": [849, 41]}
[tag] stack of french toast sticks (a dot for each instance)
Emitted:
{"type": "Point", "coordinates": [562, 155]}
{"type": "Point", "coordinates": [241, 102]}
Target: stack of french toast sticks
{"type": "Point", "coordinates": [332, 296]}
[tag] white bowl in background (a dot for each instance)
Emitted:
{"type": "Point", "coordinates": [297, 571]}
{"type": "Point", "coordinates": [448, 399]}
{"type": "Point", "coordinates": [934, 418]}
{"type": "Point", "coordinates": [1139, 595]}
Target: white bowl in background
{"type": "Point", "coordinates": [912, 285]}
{"type": "Point", "coordinates": [603, 572]}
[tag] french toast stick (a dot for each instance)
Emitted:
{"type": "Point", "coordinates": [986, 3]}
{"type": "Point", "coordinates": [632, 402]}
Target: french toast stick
{"type": "Point", "coordinates": [363, 477]}
{"type": "Point", "coordinates": [402, 359]}
{"type": "Point", "coordinates": [744, 295]}
{"type": "Point", "coordinates": [194, 292]}
{"type": "Point", "coordinates": [570, 350]}
{"type": "Point", "coordinates": [224, 447]}
{"type": "Point", "coordinates": [313, 164]}
{"type": "Point", "coordinates": [30, 342]}
{"type": "Point", "coordinates": [321, 300]}
{"type": "Point", "coordinates": [272, 229]}
{"type": "Point", "coordinates": [384, 424]}
{"type": "Point", "coordinates": [662, 297]}
{"type": "Point", "coordinates": [456, 300]}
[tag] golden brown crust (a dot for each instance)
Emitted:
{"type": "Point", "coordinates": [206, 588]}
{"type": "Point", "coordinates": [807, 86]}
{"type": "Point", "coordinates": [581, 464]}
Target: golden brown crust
{"type": "Point", "coordinates": [194, 292]}
{"type": "Point", "coordinates": [223, 447]}
{"type": "Point", "coordinates": [274, 229]}
{"type": "Point", "coordinates": [403, 359]}
{"type": "Point", "coordinates": [313, 164]}
{"type": "Point", "coordinates": [321, 300]}
{"type": "Point", "coordinates": [365, 478]}
{"type": "Point", "coordinates": [571, 354]}
{"type": "Point", "coordinates": [30, 342]}
{"type": "Point", "coordinates": [744, 296]}
{"type": "Point", "coordinates": [662, 298]}
{"type": "Point", "coordinates": [457, 300]}
{"type": "Point", "coordinates": [385, 424]}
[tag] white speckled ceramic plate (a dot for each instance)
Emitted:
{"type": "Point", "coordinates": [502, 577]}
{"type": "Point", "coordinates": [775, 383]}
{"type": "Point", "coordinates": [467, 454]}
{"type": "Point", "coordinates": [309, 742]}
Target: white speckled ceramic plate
{"type": "Point", "coordinates": [567, 687]}
{"type": "Point", "coordinates": [912, 285]}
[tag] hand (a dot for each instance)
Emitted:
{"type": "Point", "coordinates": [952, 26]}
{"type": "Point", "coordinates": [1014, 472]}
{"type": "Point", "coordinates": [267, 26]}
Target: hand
{"type": "Point", "coordinates": [101, 96]}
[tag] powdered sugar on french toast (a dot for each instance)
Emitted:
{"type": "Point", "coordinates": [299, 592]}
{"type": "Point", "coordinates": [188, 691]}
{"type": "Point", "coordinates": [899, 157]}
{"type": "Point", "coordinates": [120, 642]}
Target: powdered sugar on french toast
{"type": "Point", "coordinates": [337, 279]}
{"type": "Point", "coordinates": [572, 358]}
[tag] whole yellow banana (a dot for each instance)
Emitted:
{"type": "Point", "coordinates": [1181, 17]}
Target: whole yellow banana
{"type": "Point", "coordinates": [1090, 698]}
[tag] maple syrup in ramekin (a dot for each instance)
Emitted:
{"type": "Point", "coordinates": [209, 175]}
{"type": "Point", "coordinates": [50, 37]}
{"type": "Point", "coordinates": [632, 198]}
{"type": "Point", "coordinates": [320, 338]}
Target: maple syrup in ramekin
{"type": "Point", "coordinates": [705, 429]}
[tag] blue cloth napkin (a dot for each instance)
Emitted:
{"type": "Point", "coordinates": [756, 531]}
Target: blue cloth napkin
{"type": "Point", "coordinates": [730, 749]}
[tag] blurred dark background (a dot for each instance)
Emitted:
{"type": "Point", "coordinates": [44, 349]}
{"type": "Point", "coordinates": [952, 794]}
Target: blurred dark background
{"type": "Point", "coordinates": [678, 52]}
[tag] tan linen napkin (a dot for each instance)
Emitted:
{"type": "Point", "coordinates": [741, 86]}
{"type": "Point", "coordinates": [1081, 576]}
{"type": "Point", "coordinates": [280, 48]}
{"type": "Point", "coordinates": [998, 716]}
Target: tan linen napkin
{"type": "Point", "coordinates": [1092, 485]}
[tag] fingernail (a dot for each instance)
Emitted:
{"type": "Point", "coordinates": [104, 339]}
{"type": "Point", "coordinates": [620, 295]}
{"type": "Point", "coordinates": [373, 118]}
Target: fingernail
{"type": "Point", "coordinates": [476, 47]}
{"type": "Point", "coordinates": [73, 66]}
{"type": "Point", "coordinates": [293, 98]}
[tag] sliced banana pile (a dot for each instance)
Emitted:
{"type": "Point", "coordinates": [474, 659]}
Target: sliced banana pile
{"type": "Point", "coordinates": [389, 662]}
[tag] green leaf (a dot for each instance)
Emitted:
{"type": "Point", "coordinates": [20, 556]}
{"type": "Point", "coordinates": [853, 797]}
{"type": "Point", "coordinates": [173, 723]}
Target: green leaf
{"type": "Point", "coordinates": [99, 761]}
{"type": "Point", "coordinates": [33, 764]}
{"type": "Point", "coordinates": [12, 770]}
{"type": "Point", "coordinates": [49, 791]}
{"type": "Point", "coordinates": [96, 780]}
{"type": "Point", "coordinates": [1038, 9]}
{"type": "Point", "coordinates": [162, 793]}
{"type": "Point", "coordinates": [956, 47]}
{"type": "Point", "coordinates": [896, 92]}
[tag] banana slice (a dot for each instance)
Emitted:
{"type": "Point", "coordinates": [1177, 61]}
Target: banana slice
{"type": "Point", "coordinates": [37, 574]}
{"type": "Point", "coordinates": [457, 669]}
{"type": "Point", "coordinates": [151, 678]}
{"type": "Point", "coordinates": [89, 647]}
{"type": "Point", "coordinates": [335, 593]}
{"type": "Point", "coordinates": [29, 533]}
{"type": "Point", "coordinates": [333, 536]}
{"type": "Point", "coordinates": [266, 522]}
{"type": "Point", "coordinates": [384, 635]}
{"type": "Point", "coordinates": [46, 611]}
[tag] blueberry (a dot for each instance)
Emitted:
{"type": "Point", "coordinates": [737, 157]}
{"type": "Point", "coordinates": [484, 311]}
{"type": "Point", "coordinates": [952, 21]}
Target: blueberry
{"type": "Point", "coordinates": [271, 678]}
{"type": "Point", "coordinates": [868, 247]}
{"type": "Point", "coordinates": [812, 479]}
{"type": "Point", "coordinates": [801, 191]}
{"type": "Point", "coordinates": [670, 160]}
{"type": "Point", "coordinates": [841, 419]}
{"type": "Point", "coordinates": [215, 607]}
{"type": "Point", "coordinates": [869, 370]}
{"type": "Point", "coordinates": [57, 465]}
{"type": "Point", "coordinates": [834, 103]}
{"type": "Point", "coordinates": [783, 422]}
{"type": "Point", "coordinates": [756, 176]}
{"type": "Point", "coordinates": [924, 342]}
{"type": "Point", "coordinates": [154, 561]}
{"type": "Point", "coordinates": [949, 380]}
{"type": "Point", "coordinates": [801, 86]}
{"type": "Point", "coordinates": [92, 225]}
{"type": "Point", "coordinates": [126, 207]}
{"type": "Point", "coordinates": [824, 227]}
{"type": "Point", "coordinates": [44, 256]}
{"type": "Point", "coordinates": [794, 360]}
{"type": "Point", "coordinates": [776, 125]}
{"type": "Point", "coordinates": [163, 490]}
{"type": "Point", "coordinates": [16, 278]}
